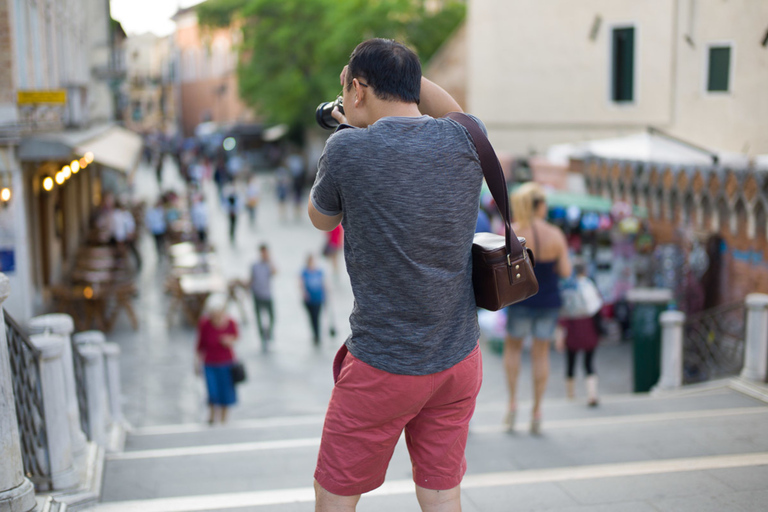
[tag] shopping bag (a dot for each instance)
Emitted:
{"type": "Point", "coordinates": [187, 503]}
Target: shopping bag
{"type": "Point", "coordinates": [581, 299]}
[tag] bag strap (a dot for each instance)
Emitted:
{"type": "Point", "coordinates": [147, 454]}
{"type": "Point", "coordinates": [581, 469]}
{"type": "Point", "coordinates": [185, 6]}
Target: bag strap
{"type": "Point", "coordinates": [495, 179]}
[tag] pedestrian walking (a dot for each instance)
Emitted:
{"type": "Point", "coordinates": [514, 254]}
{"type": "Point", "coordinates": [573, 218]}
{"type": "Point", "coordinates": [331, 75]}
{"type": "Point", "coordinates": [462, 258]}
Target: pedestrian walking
{"type": "Point", "coordinates": [581, 335]}
{"type": "Point", "coordinates": [536, 316]}
{"type": "Point", "coordinates": [313, 291]}
{"type": "Point", "coordinates": [217, 333]}
{"type": "Point", "coordinates": [260, 284]}
{"type": "Point", "coordinates": [252, 195]}
{"type": "Point", "coordinates": [298, 178]}
{"type": "Point", "coordinates": [123, 231]}
{"type": "Point", "coordinates": [199, 217]}
{"type": "Point", "coordinates": [155, 220]}
{"type": "Point", "coordinates": [332, 249]}
{"type": "Point", "coordinates": [232, 207]}
{"type": "Point", "coordinates": [159, 168]}
{"type": "Point", "coordinates": [412, 361]}
{"type": "Point", "coordinates": [220, 177]}
{"type": "Point", "coordinates": [282, 180]}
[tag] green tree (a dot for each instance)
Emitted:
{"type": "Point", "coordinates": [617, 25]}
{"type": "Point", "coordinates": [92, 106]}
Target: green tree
{"type": "Point", "coordinates": [293, 50]}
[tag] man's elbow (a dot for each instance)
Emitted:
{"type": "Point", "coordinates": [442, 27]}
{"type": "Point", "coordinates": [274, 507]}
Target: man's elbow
{"type": "Point", "coordinates": [322, 222]}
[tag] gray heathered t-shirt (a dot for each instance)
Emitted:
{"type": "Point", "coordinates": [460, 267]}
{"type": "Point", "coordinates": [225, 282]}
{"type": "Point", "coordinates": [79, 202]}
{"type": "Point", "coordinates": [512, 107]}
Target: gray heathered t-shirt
{"type": "Point", "coordinates": [261, 280]}
{"type": "Point", "coordinates": [409, 190]}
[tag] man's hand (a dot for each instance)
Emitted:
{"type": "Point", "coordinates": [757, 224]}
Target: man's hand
{"type": "Point", "coordinates": [337, 115]}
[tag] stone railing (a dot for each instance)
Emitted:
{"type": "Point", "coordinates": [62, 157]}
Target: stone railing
{"type": "Point", "coordinates": [17, 493]}
{"type": "Point", "coordinates": [715, 345]}
{"type": "Point", "coordinates": [58, 386]}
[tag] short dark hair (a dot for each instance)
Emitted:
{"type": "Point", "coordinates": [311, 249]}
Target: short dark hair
{"type": "Point", "coordinates": [392, 69]}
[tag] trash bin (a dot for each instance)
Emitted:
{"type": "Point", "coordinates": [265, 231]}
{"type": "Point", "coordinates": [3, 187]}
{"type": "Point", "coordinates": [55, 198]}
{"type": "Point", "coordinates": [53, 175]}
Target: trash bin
{"type": "Point", "coordinates": [647, 305]}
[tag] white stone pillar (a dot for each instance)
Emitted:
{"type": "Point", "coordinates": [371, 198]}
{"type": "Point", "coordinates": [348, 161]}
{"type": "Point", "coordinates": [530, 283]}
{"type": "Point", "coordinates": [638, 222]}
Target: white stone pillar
{"type": "Point", "coordinates": [17, 493]}
{"type": "Point", "coordinates": [60, 323]}
{"type": "Point", "coordinates": [95, 389]}
{"type": "Point", "coordinates": [756, 342]}
{"type": "Point", "coordinates": [98, 341]}
{"type": "Point", "coordinates": [671, 350]}
{"type": "Point", "coordinates": [51, 347]}
{"type": "Point", "coordinates": [112, 366]}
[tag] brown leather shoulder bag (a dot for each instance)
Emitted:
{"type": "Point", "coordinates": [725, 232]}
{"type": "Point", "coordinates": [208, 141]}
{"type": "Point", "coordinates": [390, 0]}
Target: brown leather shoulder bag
{"type": "Point", "coordinates": [502, 267]}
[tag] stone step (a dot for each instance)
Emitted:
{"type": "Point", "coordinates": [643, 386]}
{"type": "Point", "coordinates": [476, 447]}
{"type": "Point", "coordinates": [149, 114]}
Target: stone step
{"type": "Point", "coordinates": [282, 462]}
{"type": "Point", "coordinates": [559, 413]}
{"type": "Point", "coordinates": [729, 482]}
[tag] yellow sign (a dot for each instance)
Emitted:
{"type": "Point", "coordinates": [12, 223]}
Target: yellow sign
{"type": "Point", "coordinates": [58, 96]}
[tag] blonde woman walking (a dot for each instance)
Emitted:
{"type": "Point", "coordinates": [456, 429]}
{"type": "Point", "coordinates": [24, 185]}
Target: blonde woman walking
{"type": "Point", "coordinates": [537, 316]}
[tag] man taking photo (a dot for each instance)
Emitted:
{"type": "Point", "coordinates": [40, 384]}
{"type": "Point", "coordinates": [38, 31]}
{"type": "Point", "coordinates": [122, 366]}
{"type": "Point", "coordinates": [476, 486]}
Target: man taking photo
{"type": "Point", "coordinates": [405, 184]}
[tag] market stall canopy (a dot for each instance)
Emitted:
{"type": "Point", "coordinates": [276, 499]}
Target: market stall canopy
{"type": "Point", "coordinates": [650, 146]}
{"type": "Point", "coordinates": [116, 148]}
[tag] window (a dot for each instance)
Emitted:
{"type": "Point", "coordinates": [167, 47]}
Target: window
{"type": "Point", "coordinates": [623, 61]}
{"type": "Point", "coordinates": [719, 68]}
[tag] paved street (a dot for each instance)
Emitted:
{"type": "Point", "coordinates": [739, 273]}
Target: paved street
{"type": "Point", "coordinates": [703, 450]}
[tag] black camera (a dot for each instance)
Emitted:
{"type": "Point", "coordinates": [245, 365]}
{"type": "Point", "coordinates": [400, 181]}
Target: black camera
{"type": "Point", "coordinates": [323, 114]}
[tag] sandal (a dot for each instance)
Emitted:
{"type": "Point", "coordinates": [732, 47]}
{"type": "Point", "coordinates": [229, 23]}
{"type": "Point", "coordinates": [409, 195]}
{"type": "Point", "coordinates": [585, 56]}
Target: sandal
{"type": "Point", "coordinates": [536, 425]}
{"type": "Point", "coordinates": [509, 420]}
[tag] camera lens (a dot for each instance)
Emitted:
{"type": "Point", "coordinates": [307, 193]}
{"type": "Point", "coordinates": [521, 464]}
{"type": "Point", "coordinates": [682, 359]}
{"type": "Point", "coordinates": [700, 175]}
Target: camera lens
{"type": "Point", "coordinates": [323, 114]}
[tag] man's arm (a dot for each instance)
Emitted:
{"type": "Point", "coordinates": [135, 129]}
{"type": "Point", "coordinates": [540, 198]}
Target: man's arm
{"type": "Point", "coordinates": [435, 101]}
{"type": "Point", "coordinates": [321, 221]}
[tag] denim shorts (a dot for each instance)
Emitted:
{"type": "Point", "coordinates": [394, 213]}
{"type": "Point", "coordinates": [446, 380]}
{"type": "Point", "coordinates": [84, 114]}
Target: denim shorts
{"type": "Point", "coordinates": [537, 322]}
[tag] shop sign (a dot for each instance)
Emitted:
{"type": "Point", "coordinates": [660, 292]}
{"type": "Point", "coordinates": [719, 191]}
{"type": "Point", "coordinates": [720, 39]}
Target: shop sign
{"type": "Point", "coordinates": [55, 96]}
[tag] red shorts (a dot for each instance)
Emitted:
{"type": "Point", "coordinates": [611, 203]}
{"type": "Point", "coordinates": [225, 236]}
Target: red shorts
{"type": "Point", "coordinates": [368, 411]}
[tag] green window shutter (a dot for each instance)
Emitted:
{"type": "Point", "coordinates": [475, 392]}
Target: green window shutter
{"type": "Point", "coordinates": [719, 68]}
{"type": "Point", "coordinates": [623, 56]}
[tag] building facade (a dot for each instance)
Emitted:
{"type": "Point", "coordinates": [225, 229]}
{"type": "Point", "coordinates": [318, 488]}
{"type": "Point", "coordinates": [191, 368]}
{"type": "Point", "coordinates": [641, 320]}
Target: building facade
{"type": "Point", "coordinates": [542, 72]}
{"type": "Point", "coordinates": [57, 94]}
{"type": "Point", "coordinates": [206, 60]}
{"type": "Point", "coordinates": [149, 87]}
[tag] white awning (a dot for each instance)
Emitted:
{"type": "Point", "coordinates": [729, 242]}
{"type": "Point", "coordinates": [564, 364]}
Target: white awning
{"type": "Point", "coordinates": [645, 147]}
{"type": "Point", "coordinates": [116, 148]}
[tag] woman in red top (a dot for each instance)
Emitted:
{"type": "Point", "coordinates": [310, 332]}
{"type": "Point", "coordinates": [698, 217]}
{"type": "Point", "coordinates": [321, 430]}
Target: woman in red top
{"type": "Point", "coordinates": [217, 333]}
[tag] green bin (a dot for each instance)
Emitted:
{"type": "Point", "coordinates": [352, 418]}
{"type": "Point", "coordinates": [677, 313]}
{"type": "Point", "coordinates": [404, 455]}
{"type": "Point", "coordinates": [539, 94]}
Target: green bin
{"type": "Point", "coordinates": [647, 305]}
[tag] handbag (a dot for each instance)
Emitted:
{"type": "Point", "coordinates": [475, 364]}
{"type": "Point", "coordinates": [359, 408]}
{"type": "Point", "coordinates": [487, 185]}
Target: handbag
{"type": "Point", "coordinates": [581, 298]}
{"type": "Point", "coordinates": [238, 372]}
{"type": "Point", "coordinates": [502, 267]}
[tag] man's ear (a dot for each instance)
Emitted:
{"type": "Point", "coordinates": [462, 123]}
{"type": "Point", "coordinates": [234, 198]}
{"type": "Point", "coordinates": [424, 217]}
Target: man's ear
{"type": "Point", "coordinates": [359, 91]}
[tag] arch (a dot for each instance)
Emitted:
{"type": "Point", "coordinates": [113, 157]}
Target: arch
{"type": "Point", "coordinates": [761, 222]}
{"type": "Point", "coordinates": [740, 223]}
{"type": "Point", "coordinates": [689, 217]}
{"type": "Point", "coordinates": [723, 215]}
{"type": "Point", "coordinates": [706, 218]}
{"type": "Point", "coordinates": [673, 207]}
{"type": "Point", "coordinates": [657, 201]}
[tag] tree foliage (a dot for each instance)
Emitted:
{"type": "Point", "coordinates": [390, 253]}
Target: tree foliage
{"type": "Point", "coordinates": [293, 50]}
